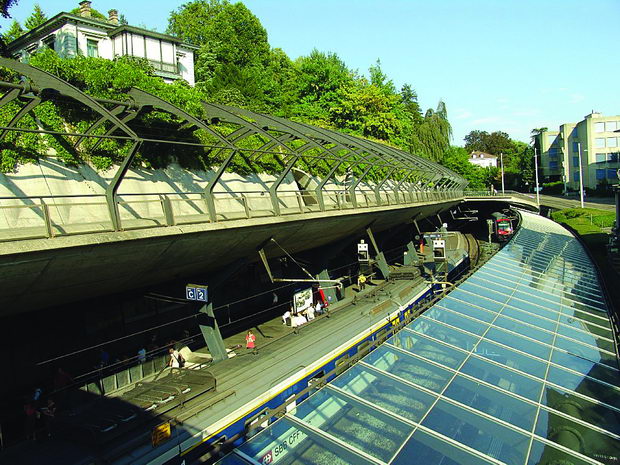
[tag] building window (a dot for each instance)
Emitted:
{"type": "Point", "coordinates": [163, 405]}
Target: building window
{"type": "Point", "coordinates": [601, 157]}
{"type": "Point", "coordinates": [576, 176]}
{"type": "Point", "coordinates": [576, 162]}
{"type": "Point", "coordinates": [49, 41]}
{"type": "Point", "coordinates": [92, 48]}
{"type": "Point", "coordinates": [575, 134]}
{"type": "Point", "coordinates": [575, 147]}
{"type": "Point", "coordinates": [550, 138]}
{"type": "Point", "coordinates": [599, 127]}
{"type": "Point", "coordinates": [553, 165]}
{"type": "Point", "coordinates": [612, 142]}
{"type": "Point", "coordinates": [612, 157]}
{"type": "Point", "coordinates": [599, 142]}
{"type": "Point", "coordinates": [612, 174]}
{"type": "Point", "coordinates": [610, 126]}
{"type": "Point", "coordinates": [600, 174]}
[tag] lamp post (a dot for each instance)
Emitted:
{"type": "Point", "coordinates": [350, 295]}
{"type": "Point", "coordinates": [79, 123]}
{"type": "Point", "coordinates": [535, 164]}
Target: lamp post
{"type": "Point", "coordinates": [536, 172]}
{"type": "Point", "coordinates": [501, 159]}
{"type": "Point", "coordinates": [580, 174]}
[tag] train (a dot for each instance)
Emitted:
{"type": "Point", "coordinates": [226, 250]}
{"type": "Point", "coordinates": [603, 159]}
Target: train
{"type": "Point", "coordinates": [502, 226]}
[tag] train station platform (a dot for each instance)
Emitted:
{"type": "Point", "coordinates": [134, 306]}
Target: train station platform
{"type": "Point", "coordinates": [518, 365]}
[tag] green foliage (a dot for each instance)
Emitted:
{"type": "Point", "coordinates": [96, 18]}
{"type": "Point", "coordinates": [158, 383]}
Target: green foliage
{"type": "Point", "coordinates": [13, 32]}
{"type": "Point", "coordinates": [585, 220]}
{"type": "Point", "coordinates": [556, 187]}
{"type": "Point", "coordinates": [457, 159]}
{"type": "Point", "coordinates": [36, 18]}
{"type": "Point", "coordinates": [236, 66]}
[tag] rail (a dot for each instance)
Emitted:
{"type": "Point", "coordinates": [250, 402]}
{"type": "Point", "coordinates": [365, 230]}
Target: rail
{"type": "Point", "coordinates": [50, 216]}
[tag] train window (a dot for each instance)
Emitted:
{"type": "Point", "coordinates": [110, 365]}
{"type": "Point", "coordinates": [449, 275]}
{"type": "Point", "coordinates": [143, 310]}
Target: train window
{"type": "Point", "coordinates": [316, 382]}
{"type": "Point", "coordinates": [256, 424]}
{"type": "Point", "coordinates": [381, 335]}
{"type": "Point", "coordinates": [342, 364]}
{"type": "Point", "coordinates": [363, 348]}
{"type": "Point", "coordinates": [292, 405]}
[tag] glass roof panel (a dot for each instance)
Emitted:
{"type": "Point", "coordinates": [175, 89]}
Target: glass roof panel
{"type": "Point", "coordinates": [507, 380]}
{"type": "Point", "coordinates": [526, 330]}
{"type": "Point", "coordinates": [517, 365]}
{"type": "Point", "coordinates": [455, 320]}
{"type": "Point", "coordinates": [546, 454]}
{"type": "Point", "coordinates": [429, 349]}
{"type": "Point", "coordinates": [576, 436]}
{"type": "Point", "coordinates": [466, 309]}
{"type": "Point", "coordinates": [586, 351]}
{"type": "Point", "coordinates": [519, 343]}
{"type": "Point", "coordinates": [431, 450]}
{"type": "Point", "coordinates": [595, 413]}
{"type": "Point", "coordinates": [386, 392]}
{"type": "Point", "coordinates": [288, 443]}
{"type": "Point", "coordinates": [585, 386]}
{"type": "Point", "coordinates": [511, 359]}
{"type": "Point", "coordinates": [478, 432]}
{"type": "Point", "coordinates": [410, 368]}
{"type": "Point", "coordinates": [586, 367]}
{"type": "Point", "coordinates": [443, 333]}
{"type": "Point", "coordinates": [492, 402]}
{"type": "Point", "coordinates": [476, 300]}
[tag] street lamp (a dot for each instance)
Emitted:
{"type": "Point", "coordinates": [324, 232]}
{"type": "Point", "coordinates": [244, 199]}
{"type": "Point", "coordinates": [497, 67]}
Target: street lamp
{"type": "Point", "coordinates": [501, 158]}
{"type": "Point", "coordinates": [536, 171]}
{"type": "Point", "coordinates": [580, 174]}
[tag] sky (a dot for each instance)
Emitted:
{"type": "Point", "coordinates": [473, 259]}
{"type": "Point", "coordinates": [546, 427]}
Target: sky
{"type": "Point", "coordinates": [499, 65]}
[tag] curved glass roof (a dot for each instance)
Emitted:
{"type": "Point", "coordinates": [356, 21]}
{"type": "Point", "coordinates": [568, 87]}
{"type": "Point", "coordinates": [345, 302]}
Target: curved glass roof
{"type": "Point", "coordinates": [517, 366]}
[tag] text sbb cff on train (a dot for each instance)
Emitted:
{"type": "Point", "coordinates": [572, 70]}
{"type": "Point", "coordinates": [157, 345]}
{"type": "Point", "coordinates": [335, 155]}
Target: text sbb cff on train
{"type": "Point", "coordinates": [502, 226]}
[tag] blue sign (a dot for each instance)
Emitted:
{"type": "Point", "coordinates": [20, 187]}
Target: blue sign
{"type": "Point", "coordinates": [201, 294]}
{"type": "Point", "coordinates": [196, 292]}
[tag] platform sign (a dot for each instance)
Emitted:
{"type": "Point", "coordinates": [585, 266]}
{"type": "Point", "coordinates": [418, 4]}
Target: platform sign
{"type": "Point", "coordinates": [161, 433]}
{"type": "Point", "coordinates": [302, 300]}
{"type": "Point", "coordinates": [197, 292]}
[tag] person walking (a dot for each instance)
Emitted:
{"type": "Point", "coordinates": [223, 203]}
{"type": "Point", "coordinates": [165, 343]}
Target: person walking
{"type": "Point", "coordinates": [250, 340]}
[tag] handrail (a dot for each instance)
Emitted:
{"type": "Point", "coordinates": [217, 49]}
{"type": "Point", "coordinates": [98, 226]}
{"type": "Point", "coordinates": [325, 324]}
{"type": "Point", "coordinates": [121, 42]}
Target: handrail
{"type": "Point", "coordinates": [48, 216]}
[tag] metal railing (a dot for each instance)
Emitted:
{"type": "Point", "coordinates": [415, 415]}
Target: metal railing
{"type": "Point", "coordinates": [62, 215]}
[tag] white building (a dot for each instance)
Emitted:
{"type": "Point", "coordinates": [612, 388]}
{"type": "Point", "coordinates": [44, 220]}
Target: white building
{"type": "Point", "coordinates": [484, 160]}
{"type": "Point", "coordinates": [71, 35]}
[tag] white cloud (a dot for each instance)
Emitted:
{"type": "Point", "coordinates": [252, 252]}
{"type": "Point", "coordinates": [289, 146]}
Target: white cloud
{"type": "Point", "coordinates": [576, 98]}
{"type": "Point", "coordinates": [463, 114]}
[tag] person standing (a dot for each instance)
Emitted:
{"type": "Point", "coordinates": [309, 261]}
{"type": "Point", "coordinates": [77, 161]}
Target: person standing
{"type": "Point", "coordinates": [176, 359]}
{"type": "Point", "coordinates": [250, 340]}
{"type": "Point", "coordinates": [361, 282]}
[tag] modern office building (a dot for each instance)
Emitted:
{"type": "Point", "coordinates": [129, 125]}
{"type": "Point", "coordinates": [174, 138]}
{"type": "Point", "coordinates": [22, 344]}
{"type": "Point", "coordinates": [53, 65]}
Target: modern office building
{"type": "Point", "coordinates": [596, 137]}
{"type": "Point", "coordinates": [86, 34]}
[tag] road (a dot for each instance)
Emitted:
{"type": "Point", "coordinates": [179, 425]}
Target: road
{"type": "Point", "coordinates": [564, 202]}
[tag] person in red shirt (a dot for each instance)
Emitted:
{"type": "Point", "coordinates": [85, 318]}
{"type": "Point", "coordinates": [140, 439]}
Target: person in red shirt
{"type": "Point", "coordinates": [250, 339]}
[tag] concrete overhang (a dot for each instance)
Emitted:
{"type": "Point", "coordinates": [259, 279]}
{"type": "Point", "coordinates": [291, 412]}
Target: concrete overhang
{"type": "Point", "coordinates": [47, 272]}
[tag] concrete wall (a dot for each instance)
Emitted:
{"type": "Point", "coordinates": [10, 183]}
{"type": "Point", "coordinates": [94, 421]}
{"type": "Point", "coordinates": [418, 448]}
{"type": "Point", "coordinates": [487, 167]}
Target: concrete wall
{"type": "Point", "coordinates": [51, 177]}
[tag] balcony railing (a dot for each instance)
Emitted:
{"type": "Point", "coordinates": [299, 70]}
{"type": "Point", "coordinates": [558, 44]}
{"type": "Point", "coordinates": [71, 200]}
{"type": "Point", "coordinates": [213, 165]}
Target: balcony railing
{"type": "Point", "coordinates": [53, 216]}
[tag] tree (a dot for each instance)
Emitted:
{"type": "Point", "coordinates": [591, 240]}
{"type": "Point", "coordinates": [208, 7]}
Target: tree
{"type": "Point", "coordinates": [5, 5]}
{"type": "Point", "coordinates": [188, 23]}
{"type": "Point", "coordinates": [535, 137]}
{"type": "Point", "coordinates": [36, 18]}
{"type": "Point", "coordinates": [495, 143]}
{"type": "Point", "coordinates": [13, 32]}
{"type": "Point", "coordinates": [431, 138]}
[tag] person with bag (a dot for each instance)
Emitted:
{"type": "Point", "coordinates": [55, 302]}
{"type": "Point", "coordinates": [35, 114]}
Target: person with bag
{"type": "Point", "coordinates": [176, 359]}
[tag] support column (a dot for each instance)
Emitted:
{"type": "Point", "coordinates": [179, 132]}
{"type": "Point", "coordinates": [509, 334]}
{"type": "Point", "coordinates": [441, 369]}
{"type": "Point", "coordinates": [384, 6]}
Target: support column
{"type": "Point", "coordinates": [380, 260]}
{"type": "Point", "coordinates": [211, 333]}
